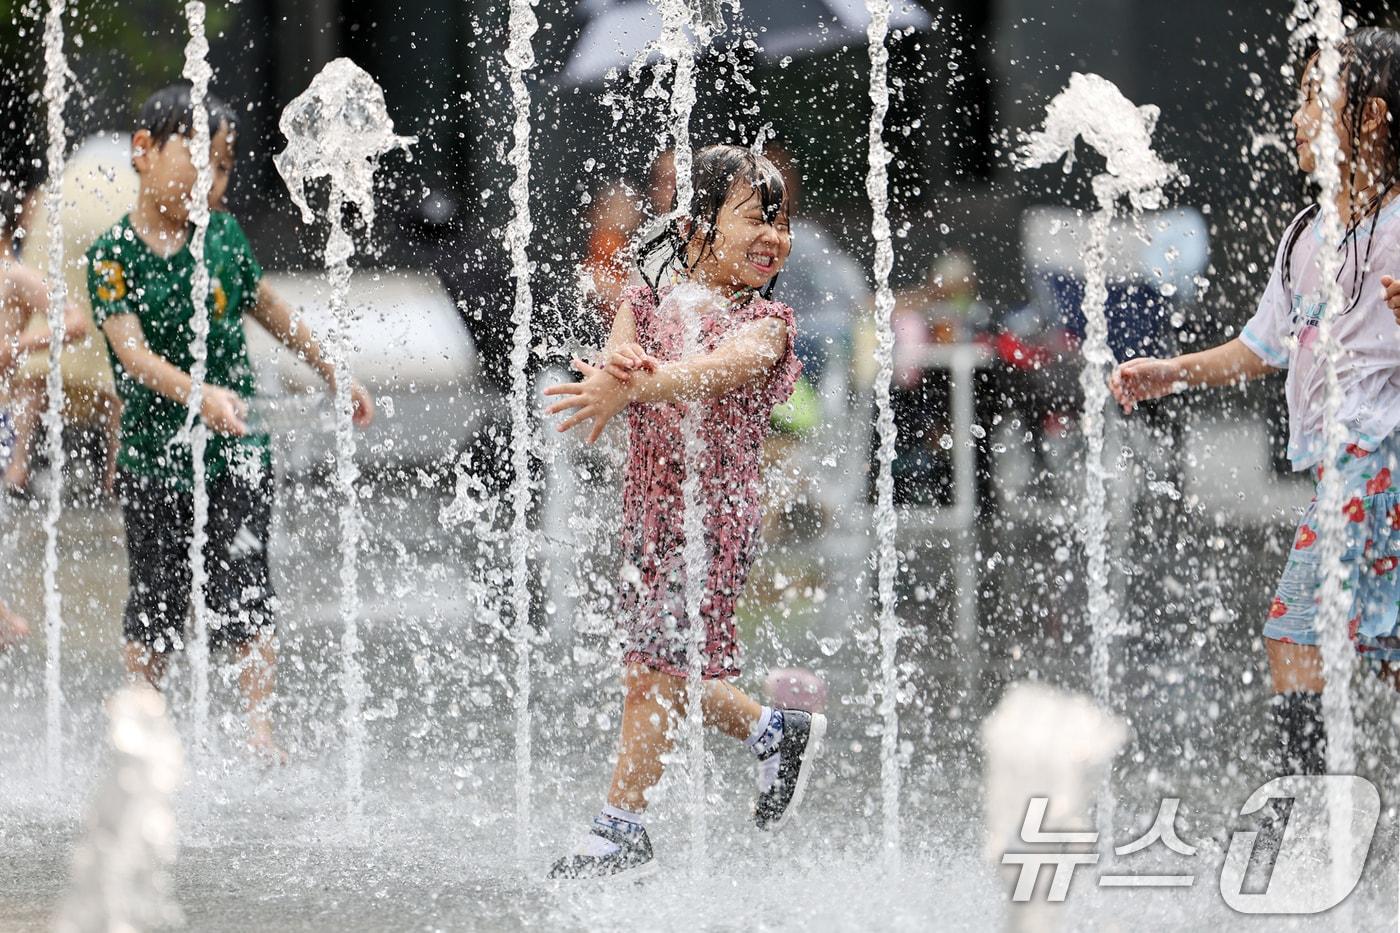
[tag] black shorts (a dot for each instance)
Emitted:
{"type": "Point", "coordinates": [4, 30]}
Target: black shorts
{"type": "Point", "coordinates": [159, 528]}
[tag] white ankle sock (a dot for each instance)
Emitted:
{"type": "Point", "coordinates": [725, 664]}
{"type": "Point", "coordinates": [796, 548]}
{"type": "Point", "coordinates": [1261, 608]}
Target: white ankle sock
{"type": "Point", "coordinates": [626, 816]}
{"type": "Point", "coordinates": [763, 741]}
{"type": "Point", "coordinates": [767, 731]}
{"type": "Point", "coordinates": [616, 819]}
{"type": "Point", "coordinates": [760, 725]}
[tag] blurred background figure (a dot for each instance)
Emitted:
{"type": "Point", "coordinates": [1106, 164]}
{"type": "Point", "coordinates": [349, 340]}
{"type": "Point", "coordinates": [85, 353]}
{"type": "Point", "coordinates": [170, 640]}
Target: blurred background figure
{"type": "Point", "coordinates": [827, 287]}
{"type": "Point", "coordinates": [14, 628]}
{"type": "Point", "coordinates": [23, 294]}
{"type": "Point", "coordinates": [661, 185]}
{"type": "Point", "coordinates": [943, 310]}
{"type": "Point", "coordinates": [98, 185]}
{"type": "Point", "coordinates": [612, 220]}
{"type": "Point", "coordinates": [455, 244]}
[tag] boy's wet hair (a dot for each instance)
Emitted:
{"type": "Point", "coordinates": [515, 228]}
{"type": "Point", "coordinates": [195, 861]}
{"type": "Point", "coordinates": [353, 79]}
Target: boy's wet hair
{"type": "Point", "coordinates": [716, 171]}
{"type": "Point", "coordinates": [1370, 69]}
{"type": "Point", "coordinates": [169, 112]}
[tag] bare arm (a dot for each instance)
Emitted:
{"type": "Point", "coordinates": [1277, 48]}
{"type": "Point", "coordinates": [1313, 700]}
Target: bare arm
{"type": "Point", "coordinates": [276, 314]}
{"type": "Point", "coordinates": [23, 294]}
{"type": "Point", "coordinates": [624, 329]}
{"type": "Point", "coordinates": [621, 354]}
{"type": "Point", "coordinates": [743, 358]}
{"type": "Point", "coordinates": [223, 411]}
{"type": "Point", "coordinates": [1227, 364]}
{"type": "Point", "coordinates": [599, 396]}
{"type": "Point", "coordinates": [12, 345]}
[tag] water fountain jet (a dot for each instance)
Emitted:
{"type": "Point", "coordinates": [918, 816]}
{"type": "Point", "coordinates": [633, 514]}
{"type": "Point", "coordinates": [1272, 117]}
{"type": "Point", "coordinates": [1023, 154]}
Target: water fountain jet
{"type": "Point", "coordinates": [338, 129]}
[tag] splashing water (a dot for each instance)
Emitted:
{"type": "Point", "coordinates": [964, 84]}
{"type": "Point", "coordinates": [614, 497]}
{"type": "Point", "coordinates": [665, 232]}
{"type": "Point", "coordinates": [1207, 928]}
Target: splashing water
{"type": "Point", "coordinates": [1093, 109]}
{"type": "Point", "coordinates": [520, 56]}
{"type": "Point", "coordinates": [1325, 27]}
{"type": "Point", "coordinates": [689, 302]}
{"type": "Point", "coordinates": [337, 129]}
{"type": "Point", "coordinates": [887, 560]}
{"type": "Point", "coordinates": [56, 80]}
{"type": "Point", "coordinates": [677, 48]}
{"type": "Point", "coordinates": [121, 878]}
{"type": "Point", "coordinates": [194, 432]}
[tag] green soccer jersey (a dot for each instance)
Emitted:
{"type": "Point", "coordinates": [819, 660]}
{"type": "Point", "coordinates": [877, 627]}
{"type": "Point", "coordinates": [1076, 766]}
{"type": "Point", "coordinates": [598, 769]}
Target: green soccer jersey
{"type": "Point", "coordinates": [126, 277]}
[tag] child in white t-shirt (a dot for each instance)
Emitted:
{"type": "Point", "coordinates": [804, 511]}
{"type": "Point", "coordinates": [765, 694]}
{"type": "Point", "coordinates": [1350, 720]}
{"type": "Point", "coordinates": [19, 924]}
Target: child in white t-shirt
{"type": "Point", "coordinates": [1284, 334]}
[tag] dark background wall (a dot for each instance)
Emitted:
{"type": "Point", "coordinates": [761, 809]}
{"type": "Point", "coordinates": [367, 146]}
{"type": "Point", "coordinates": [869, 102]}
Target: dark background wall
{"type": "Point", "coordinates": [1220, 72]}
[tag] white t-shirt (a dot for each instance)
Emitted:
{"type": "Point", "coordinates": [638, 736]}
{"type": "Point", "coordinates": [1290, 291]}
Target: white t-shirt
{"type": "Point", "coordinates": [1284, 333]}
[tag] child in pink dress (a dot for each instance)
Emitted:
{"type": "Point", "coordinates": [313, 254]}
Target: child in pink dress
{"type": "Point", "coordinates": [723, 256]}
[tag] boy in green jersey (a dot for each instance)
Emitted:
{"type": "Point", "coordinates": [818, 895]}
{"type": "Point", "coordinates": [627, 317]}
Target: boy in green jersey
{"type": "Point", "coordinates": [139, 276]}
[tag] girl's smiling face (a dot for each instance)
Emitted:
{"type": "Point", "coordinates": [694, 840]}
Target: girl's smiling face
{"type": "Point", "coordinates": [752, 241]}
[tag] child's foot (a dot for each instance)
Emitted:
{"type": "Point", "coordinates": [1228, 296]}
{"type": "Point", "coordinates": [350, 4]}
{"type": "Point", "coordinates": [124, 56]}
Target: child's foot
{"type": "Point", "coordinates": [784, 770]}
{"type": "Point", "coordinates": [609, 850]}
{"type": "Point", "coordinates": [265, 746]}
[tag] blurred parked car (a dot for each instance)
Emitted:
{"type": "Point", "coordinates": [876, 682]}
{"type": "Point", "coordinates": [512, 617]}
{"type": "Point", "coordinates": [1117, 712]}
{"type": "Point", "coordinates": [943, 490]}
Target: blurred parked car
{"type": "Point", "coordinates": [408, 347]}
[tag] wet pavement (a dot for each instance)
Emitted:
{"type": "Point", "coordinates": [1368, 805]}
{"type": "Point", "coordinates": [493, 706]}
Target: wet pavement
{"type": "Point", "coordinates": [435, 848]}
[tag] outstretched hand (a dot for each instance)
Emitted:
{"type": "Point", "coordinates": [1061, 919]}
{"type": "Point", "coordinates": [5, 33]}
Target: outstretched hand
{"type": "Point", "coordinates": [626, 359]}
{"type": "Point", "coordinates": [361, 406]}
{"type": "Point", "coordinates": [1143, 378]}
{"type": "Point", "coordinates": [223, 411]}
{"type": "Point", "coordinates": [1392, 295]}
{"type": "Point", "coordinates": [598, 396]}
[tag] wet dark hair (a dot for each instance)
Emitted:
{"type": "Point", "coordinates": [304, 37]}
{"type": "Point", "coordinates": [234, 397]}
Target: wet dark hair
{"type": "Point", "coordinates": [1370, 69]}
{"type": "Point", "coordinates": [168, 112]}
{"type": "Point", "coordinates": [716, 171]}
{"type": "Point", "coordinates": [11, 203]}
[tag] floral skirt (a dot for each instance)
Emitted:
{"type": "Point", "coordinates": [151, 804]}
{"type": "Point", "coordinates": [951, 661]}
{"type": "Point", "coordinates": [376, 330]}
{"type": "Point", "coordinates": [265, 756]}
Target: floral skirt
{"type": "Point", "coordinates": [1371, 585]}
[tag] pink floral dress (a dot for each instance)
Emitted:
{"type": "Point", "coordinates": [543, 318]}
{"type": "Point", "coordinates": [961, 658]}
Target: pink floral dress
{"type": "Point", "coordinates": [733, 427]}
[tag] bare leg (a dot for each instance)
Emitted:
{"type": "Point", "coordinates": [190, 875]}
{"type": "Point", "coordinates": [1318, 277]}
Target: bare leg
{"type": "Point", "coordinates": [1299, 667]}
{"type": "Point", "coordinates": [654, 705]}
{"type": "Point", "coordinates": [144, 663]}
{"type": "Point", "coordinates": [1297, 707]}
{"type": "Point", "coordinates": [257, 678]}
{"type": "Point", "coordinates": [1294, 668]}
{"type": "Point", "coordinates": [729, 709]}
{"type": "Point", "coordinates": [29, 398]}
{"type": "Point", "coordinates": [649, 712]}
